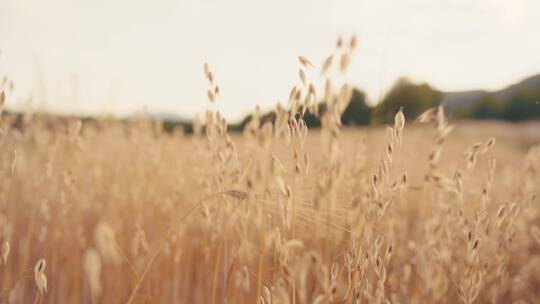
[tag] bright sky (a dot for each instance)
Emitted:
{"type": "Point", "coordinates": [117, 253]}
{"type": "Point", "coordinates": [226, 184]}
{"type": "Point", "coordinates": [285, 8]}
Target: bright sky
{"type": "Point", "coordinates": [117, 57]}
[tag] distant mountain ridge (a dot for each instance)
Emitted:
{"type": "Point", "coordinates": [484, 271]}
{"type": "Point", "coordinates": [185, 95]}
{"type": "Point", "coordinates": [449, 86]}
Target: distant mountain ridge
{"type": "Point", "coordinates": [454, 101]}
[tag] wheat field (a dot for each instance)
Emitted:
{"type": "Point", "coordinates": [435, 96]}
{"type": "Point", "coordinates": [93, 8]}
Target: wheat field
{"type": "Point", "coordinates": [424, 211]}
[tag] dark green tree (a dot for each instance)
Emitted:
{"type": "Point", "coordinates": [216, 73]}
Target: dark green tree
{"type": "Point", "coordinates": [357, 112]}
{"type": "Point", "coordinates": [415, 99]}
{"type": "Point", "coordinates": [523, 105]}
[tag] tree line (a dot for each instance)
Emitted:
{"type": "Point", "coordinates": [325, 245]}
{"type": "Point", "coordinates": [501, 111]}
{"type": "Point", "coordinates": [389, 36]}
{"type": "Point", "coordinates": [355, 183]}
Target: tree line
{"type": "Point", "coordinates": [521, 104]}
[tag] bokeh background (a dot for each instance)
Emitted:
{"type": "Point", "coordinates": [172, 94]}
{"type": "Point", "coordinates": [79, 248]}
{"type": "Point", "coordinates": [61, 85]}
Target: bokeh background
{"type": "Point", "coordinates": [120, 57]}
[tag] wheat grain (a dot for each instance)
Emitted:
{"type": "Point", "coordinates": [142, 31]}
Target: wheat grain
{"type": "Point", "coordinates": [5, 251]}
{"type": "Point", "coordinates": [39, 276]}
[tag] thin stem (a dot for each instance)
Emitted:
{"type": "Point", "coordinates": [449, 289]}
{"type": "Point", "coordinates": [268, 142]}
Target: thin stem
{"type": "Point", "coordinates": [126, 259]}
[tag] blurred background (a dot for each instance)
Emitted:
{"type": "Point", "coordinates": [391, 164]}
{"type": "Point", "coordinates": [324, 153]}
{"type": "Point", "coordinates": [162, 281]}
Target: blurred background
{"type": "Point", "coordinates": [479, 58]}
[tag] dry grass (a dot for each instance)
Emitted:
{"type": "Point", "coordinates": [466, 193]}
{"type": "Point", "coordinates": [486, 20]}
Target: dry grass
{"type": "Point", "coordinates": [409, 213]}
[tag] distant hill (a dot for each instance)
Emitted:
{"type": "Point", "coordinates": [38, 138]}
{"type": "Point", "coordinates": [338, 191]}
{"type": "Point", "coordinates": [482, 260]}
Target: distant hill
{"type": "Point", "coordinates": [454, 101]}
{"type": "Point", "coordinates": [529, 83]}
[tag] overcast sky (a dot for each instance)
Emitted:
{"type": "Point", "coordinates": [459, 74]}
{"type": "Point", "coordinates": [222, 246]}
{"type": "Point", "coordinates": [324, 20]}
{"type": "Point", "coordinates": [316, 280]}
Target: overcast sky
{"type": "Point", "coordinates": [116, 57]}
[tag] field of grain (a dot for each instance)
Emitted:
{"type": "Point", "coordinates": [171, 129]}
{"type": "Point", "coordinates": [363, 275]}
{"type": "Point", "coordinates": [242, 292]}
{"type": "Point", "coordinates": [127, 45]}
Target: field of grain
{"type": "Point", "coordinates": [428, 210]}
{"type": "Point", "coordinates": [111, 212]}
